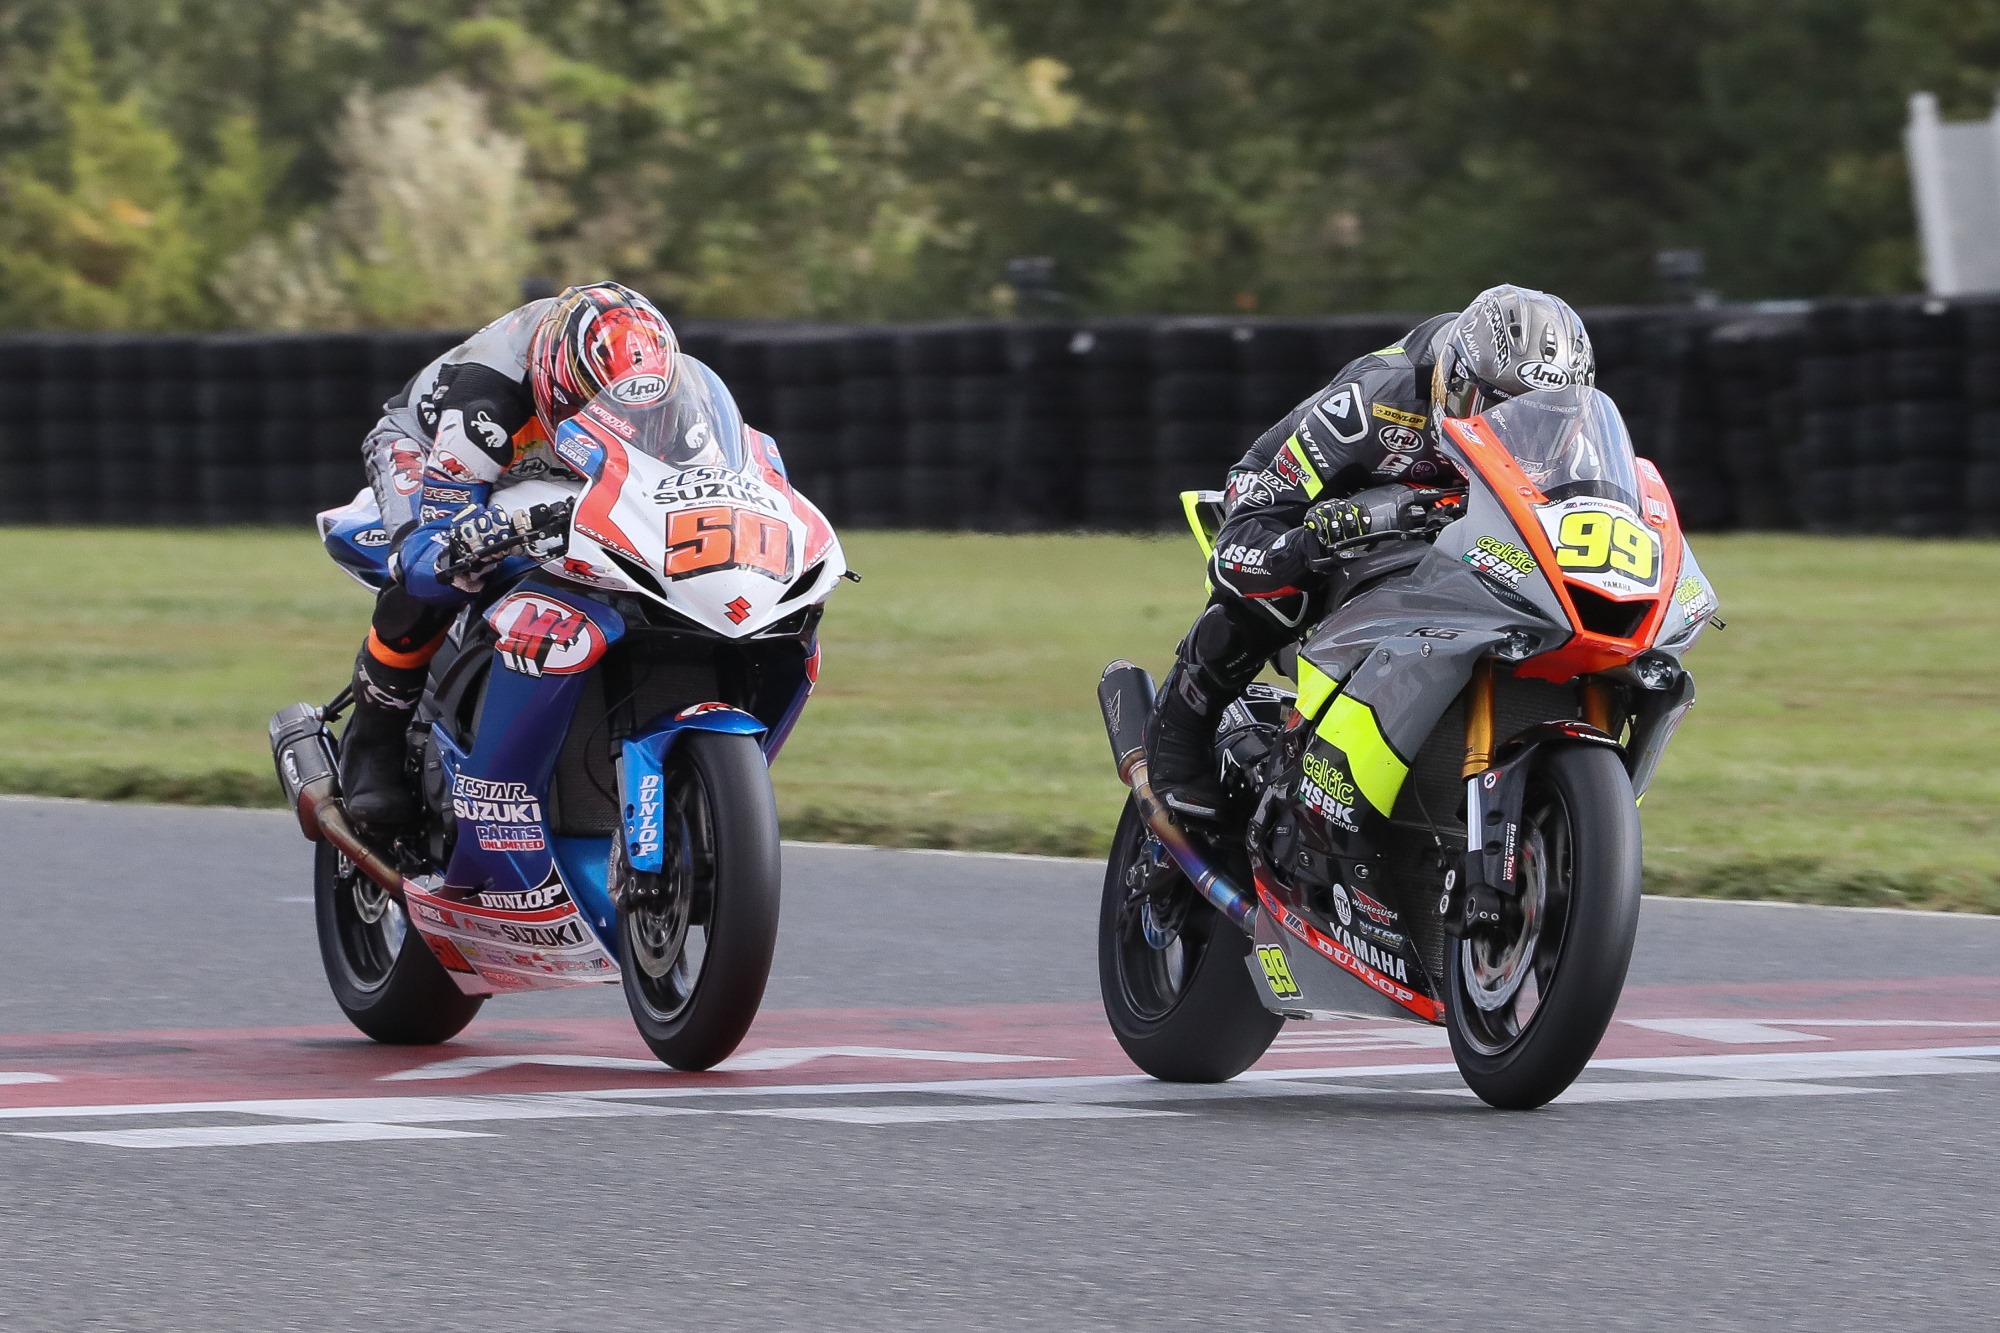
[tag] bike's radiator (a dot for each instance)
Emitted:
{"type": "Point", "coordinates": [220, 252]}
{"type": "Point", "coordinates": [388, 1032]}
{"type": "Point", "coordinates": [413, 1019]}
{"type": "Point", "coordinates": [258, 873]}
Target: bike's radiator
{"type": "Point", "coordinates": [582, 799]}
{"type": "Point", "coordinates": [1435, 789]}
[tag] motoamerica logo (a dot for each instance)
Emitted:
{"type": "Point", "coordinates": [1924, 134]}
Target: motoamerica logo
{"type": "Point", "coordinates": [494, 802]}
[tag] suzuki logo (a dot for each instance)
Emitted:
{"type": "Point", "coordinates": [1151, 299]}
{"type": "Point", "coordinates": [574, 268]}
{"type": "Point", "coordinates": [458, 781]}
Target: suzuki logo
{"type": "Point", "coordinates": [738, 611]}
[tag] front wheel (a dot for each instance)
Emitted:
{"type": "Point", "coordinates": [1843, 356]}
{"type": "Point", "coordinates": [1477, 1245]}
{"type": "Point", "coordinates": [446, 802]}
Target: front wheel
{"type": "Point", "coordinates": [384, 977]}
{"type": "Point", "coordinates": [1528, 1001]}
{"type": "Point", "coordinates": [1175, 973]}
{"type": "Point", "coordinates": [695, 940]}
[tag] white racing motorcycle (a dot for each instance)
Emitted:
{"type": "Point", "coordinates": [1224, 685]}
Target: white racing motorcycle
{"type": "Point", "coordinates": [593, 741]}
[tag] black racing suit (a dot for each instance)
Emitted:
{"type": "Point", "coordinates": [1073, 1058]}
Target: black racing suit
{"type": "Point", "coordinates": [1370, 426]}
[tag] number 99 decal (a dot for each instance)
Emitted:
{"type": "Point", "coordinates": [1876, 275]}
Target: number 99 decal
{"type": "Point", "coordinates": [1277, 971]}
{"type": "Point", "coordinates": [1590, 541]}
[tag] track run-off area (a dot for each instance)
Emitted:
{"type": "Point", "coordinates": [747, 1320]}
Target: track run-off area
{"type": "Point", "coordinates": [1790, 1122]}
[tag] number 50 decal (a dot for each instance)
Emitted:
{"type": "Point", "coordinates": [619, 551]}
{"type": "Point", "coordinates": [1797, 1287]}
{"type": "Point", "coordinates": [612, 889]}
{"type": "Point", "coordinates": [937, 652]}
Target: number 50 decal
{"type": "Point", "coordinates": [722, 537]}
{"type": "Point", "coordinates": [1589, 540]}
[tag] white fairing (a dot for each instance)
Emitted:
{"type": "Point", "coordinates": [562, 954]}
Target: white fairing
{"type": "Point", "coordinates": [723, 574]}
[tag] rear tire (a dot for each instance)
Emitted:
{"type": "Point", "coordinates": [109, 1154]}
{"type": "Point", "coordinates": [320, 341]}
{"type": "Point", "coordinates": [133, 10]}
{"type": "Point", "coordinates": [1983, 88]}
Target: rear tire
{"type": "Point", "coordinates": [1581, 863]}
{"type": "Point", "coordinates": [1187, 1013]}
{"type": "Point", "coordinates": [695, 958]}
{"type": "Point", "coordinates": [384, 977]}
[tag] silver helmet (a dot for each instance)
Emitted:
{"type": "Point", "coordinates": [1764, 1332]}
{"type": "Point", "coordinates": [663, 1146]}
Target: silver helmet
{"type": "Point", "coordinates": [1509, 341]}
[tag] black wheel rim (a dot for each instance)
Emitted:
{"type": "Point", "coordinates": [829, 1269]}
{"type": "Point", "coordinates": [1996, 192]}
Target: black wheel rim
{"type": "Point", "coordinates": [369, 926]}
{"type": "Point", "coordinates": [1504, 974]}
{"type": "Point", "coordinates": [668, 922]}
{"type": "Point", "coordinates": [1153, 972]}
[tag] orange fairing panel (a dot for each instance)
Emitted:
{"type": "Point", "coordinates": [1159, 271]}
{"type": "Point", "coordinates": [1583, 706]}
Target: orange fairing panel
{"type": "Point", "coordinates": [1587, 651]}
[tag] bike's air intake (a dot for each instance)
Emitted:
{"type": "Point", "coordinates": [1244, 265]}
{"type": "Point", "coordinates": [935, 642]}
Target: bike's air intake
{"type": "Point", "coordinates": [1125, 694]}
{"type": "Point", "coordinates": [302, 748]}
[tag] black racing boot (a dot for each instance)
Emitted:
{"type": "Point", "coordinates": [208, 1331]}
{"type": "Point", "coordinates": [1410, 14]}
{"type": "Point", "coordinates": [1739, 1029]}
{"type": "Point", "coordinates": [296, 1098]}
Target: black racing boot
{"type": "Point", "coordinates": [374, 778]}
{"type": "Point", "coordinates": [1221, 654]}
{"type": "Point", "coordinates": [1180, 747]}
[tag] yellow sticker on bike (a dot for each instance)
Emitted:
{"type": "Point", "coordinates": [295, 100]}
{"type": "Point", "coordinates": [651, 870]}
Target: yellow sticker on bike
{"type": "Point", "coordinates": [1277, 971]}
{"type": "Point", "coordinates": [1604, 544]}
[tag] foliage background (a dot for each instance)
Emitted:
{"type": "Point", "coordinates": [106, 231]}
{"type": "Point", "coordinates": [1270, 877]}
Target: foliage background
{"type": "Point", "coordinates": [270, 163]}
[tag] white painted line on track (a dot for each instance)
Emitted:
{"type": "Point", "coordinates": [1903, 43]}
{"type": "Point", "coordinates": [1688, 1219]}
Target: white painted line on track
{"type": "Point", "coordinates": [942, 1114]}
{"type": "Point", "coordinates": [1729, 1031]}
{"type": "Point", "coordinates": [18, 1076]}
{"type": "Point", "coordinates": [1674, 1090]}
{"type": "Point", "coordinates": [777, 1057]}
{"type": "Point", "coordinates": [241, 1136]}
{"type": "Point", "coordinates": [944, 851]}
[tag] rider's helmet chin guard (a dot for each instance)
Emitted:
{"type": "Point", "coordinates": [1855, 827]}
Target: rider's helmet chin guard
{"type": "Point", "coordinates": [592, 336]}
{"type": "Point", "coordinates": [1508, 341]}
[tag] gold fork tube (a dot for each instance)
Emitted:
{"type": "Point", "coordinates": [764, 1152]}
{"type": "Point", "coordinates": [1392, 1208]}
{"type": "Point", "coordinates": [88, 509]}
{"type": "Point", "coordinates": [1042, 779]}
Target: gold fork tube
{"type": "Point", "coordinates": [1597, 704]}
{"type": "Point", "coordinates": [1479, 719]}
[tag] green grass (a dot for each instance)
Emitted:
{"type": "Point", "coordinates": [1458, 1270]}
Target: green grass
{"type": "Point", "coordinates": [1839, 753]}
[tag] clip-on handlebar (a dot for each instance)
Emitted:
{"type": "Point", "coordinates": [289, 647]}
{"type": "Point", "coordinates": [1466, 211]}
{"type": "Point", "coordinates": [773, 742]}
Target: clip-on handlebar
{"type": "Point", "coordinates": [532, 526]}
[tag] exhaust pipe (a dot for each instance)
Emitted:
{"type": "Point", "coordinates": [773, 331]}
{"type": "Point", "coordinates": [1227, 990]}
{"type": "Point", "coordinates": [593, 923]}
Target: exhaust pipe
{"type": "Point", "coordinates": [302, 748]}
{"type": "Point", "coordinates": [1125, 694]}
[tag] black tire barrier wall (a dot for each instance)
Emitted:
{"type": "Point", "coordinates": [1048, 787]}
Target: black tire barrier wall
{"type": "Point", "coordinates": [1837, 416]}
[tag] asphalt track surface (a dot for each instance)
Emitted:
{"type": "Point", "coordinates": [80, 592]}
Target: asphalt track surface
{"type": "Point", "coordinates": [1791, 1125]}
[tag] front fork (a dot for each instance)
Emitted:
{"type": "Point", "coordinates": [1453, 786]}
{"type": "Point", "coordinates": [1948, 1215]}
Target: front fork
{"type": "Point", "coordinates": [1476, 896]}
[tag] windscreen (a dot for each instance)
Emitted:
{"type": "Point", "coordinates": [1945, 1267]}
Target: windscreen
{"type": "Point", "coordinates": [694, 424]}
{"type": "Point", "coordinates": [1570, 442]}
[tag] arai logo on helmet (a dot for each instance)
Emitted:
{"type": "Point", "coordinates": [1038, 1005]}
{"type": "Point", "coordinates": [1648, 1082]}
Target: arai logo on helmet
{"type": "Point", "coordinates": [1543, 375]}
{"type": "Point", "coordinates": [639, 390]}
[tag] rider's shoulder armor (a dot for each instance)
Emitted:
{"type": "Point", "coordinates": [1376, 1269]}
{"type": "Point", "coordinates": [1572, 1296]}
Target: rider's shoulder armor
{"type": "Point", "coordinates": [1376, 414]}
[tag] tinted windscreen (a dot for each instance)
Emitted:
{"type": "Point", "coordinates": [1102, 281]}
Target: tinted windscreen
{"type": "Point", "coordinates": [696, 425]}
{"type": "Point", "coordinates": [1570, 442]}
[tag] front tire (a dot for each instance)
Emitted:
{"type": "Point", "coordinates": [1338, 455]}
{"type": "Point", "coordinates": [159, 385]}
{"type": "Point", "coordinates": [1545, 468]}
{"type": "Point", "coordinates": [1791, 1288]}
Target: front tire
{"type": "Point", "coordinates": [1527, 1004]}
{"type": "Point", "coordinates": [695, 946]}
{"type": "Point", "coordinates": [384, 977]}
{"type": "Point", "coordinates": [1187, 1012]}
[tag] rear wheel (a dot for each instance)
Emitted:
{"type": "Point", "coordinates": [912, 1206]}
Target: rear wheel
{"type": "Point", "coordinates": [1175, 973]}
{"type": "Point", "coordinates": [384, 977]}
{"type": "Point", "coordinates": [1528, 1001]}
{"type": "Point", "coordinates": [695, 940]}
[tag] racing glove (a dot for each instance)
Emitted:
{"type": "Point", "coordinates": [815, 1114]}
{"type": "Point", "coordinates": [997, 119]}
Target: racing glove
{"type": "Point", "coordinates": [440, 562]}
{"type": "Point", "coordinates": [1332, 521]}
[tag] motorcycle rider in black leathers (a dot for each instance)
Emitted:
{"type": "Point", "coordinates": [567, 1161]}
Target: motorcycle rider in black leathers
{"type": "Point", "coordinates": [1377, 422]}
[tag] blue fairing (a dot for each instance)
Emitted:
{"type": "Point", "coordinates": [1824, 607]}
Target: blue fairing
{"type": "Point", "coordinates": [500, 788]}
{"type": "Point", "coordinates": [644, 775]}
{"type": "Point", "coordinates": [359, 546]}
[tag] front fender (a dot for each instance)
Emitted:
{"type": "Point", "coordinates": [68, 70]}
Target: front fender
{"type": "Point", "coordinates": [642, 781]}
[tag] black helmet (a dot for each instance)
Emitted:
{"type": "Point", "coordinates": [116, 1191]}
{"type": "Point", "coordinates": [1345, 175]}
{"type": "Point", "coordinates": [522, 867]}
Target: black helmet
{"type": "Point", "coordinates": [1509, 341]}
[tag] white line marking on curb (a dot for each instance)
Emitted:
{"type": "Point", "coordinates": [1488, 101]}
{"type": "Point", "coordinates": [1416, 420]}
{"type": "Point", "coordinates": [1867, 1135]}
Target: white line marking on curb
{"type": "Point", "coordinates": [23, 1076]}
{"type": "Point", "coordinates": [240, 1136]}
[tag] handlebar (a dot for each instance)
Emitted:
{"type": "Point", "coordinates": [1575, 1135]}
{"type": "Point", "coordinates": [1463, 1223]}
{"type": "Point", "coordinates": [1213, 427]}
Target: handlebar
{"type": "Point", "coordinates": [532, 526]}
{"type": "Point", "coordinates": [1418, 515]}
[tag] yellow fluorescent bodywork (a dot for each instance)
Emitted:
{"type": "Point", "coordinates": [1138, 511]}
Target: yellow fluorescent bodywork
{"type": "Point", "coordinates": [1350, 727]}
{"type": "Point", "coordinates": [1315, 688]}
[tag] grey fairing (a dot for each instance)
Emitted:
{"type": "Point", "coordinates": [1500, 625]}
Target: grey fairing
{"type": "Point", "coordinates": [1687, 617]}
{"type": "Point", "coordinates": [1658, 716]}
{"type": "Point", "coordinates": [1372, 647]}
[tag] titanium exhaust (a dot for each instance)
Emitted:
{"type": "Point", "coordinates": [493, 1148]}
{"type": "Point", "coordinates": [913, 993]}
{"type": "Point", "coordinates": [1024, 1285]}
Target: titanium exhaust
{"type": "Point", "coordinates": [302, 748]}
{"type": "Point", "coordinates": [1125, 694]}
